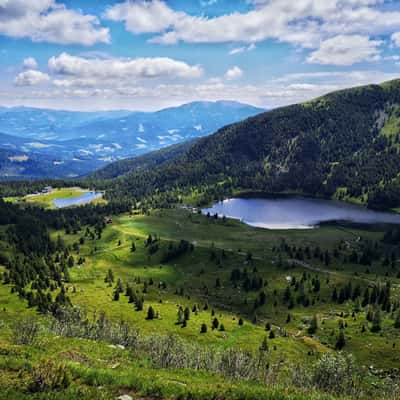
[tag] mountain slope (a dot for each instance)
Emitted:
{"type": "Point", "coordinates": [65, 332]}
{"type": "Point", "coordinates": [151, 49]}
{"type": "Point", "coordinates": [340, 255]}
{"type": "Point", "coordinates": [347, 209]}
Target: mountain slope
{"type": "Point", "coordinates": [345, 144]}
{"type": "Point", "coordinates": [86, 141]}
{"type": "Point", "coordinates": [144, 162]}
{"type": "Point", "coordinates": [152, 130]}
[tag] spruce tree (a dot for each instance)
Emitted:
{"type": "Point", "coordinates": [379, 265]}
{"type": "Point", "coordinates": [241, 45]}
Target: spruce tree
{"type": "Point", "coordinates": [215, 323]}
{"type": "Point", "coordinates": [150, 313]}
{"type": "Point", "coordinates": [340, 343]}
{"type": "Point", "coordinates": [376, 322]}
{"type": "Point", "coordinates": [397, 320]}
{"type": "Point", "coordinates": [186, 313]}
{"type": "Point", "coordinates": [180, 316]}
{"type": "Point", "coordinates": [313, 325]}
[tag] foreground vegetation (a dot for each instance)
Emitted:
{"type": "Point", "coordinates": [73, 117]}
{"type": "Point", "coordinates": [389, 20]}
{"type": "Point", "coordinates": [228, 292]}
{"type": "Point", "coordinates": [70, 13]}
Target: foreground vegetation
{"type": "Point", "coordinates": [101, 300]}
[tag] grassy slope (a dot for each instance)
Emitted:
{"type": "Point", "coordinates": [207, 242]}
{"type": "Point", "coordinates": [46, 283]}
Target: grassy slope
{"type": "Point", "coordinates": [92, 362]}
{"type": "Point", "coordinates": [194, 270]}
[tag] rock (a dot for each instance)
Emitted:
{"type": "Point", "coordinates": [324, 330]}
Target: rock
{"type": "Point", "coordinates": [125, 397]}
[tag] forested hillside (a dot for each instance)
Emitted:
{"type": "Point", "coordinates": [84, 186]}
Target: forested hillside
{"type": "Point", "coordinates": [345, 144]}
{"type": "Point", "coordinates": [144, 162]}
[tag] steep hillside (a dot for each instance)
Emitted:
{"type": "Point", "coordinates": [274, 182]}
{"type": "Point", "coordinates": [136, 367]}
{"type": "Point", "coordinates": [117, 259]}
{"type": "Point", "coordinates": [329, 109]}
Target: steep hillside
{"type": "Point", "coordinates": [144, 162]}
{"type": "Point", "coordinates": [345, 144]}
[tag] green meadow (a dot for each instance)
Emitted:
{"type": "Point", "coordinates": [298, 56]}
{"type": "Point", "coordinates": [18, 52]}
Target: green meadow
{"type": "Point", "coordinates": [201, 280]}
{"type": "Point", "coordinates": [45, 200]}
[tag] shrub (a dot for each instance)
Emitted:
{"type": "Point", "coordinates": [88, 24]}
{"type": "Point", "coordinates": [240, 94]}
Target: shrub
{"type": "Point", "coordinates": [334, 373]}
{"type": "Point", "coordinates": [49, 376]}
{"type": "Point", "coordinates": [25, 331]}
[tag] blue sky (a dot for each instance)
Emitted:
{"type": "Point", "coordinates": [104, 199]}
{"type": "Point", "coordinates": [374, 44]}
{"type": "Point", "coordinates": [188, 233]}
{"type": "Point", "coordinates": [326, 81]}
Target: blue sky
{"type": "Point", "coordinates": [150, 54]}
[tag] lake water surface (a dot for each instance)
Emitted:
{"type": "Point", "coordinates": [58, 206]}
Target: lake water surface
{"type": "Point", "coordinates": [84, 198]}
{"type": "Point", "coordinates": [296, 212]}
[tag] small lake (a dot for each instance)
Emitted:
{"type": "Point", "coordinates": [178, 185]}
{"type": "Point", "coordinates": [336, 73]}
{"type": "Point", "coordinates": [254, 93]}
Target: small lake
{"type": "Point", "coordinates": [84, 198]}
{"type": "Point", "coordinates": [296, 212]}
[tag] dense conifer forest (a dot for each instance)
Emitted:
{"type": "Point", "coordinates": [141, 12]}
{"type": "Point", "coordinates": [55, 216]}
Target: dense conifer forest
{"type": "Point", "coordinates": [344, 145]}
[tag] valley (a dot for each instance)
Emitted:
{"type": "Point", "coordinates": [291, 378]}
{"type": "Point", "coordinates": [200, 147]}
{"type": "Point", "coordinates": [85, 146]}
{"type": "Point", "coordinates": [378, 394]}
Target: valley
{"type": "Point", "coordinates": [200, 200]}
{"type": "Point", "coordinates": [152, 291]}
{"type": "Point", "coordinates": [271, 281]}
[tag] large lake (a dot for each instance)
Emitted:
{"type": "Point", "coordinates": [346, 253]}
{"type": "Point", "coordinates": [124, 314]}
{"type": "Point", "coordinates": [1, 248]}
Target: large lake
{"type": "Point", "coordinates": [84, 198]}
{"type": "Point", "coordinates": [296, 213]}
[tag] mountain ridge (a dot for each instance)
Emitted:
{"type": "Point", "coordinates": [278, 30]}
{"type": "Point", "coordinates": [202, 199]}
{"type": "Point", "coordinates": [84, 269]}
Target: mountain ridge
{"type": "Point", "coordinates": [92, 142]}
{"type": "Point", "coordinates": [337, 145]}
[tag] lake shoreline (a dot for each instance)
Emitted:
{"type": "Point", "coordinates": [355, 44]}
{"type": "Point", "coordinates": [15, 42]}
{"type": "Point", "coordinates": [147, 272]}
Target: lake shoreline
{"type": "Point", "coordinates": [297, 212]}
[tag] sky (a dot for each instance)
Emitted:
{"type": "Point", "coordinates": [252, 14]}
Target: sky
{"type": "Point", "coordinates": [150, 54]}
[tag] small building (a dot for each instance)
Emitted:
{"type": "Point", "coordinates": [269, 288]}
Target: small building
{"type": "Point", "coordinates": [47, 189]}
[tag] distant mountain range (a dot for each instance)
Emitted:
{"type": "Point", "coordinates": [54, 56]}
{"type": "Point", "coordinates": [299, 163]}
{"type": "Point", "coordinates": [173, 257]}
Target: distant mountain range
{"type": "Point", "coordinates": [344, 145]}
{"type": "Point", "coordinates": [41, 143]}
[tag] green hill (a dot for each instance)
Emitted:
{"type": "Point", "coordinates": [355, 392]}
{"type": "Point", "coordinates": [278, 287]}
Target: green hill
{"type": "Point", "coordinates": [344, 145]}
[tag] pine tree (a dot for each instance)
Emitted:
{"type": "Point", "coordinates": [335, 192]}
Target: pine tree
{"type": "Point", "coordinates": [180, 316]}
{"type": "Point", "coordinates": [313, 325]}
{"type": "Point", "coordinates": [271, 334]}
{"type": "Point", "coordinates": [186, 313]}
{"type": "Point", "coordinates": [150, 313]}
{"type": "Point", "coordinates": [334, 295]}
{"type": "Point", "coordinates": [340, 343]}
{"type": "Point", "coordinates": [376, 322]}
{"type": "Point", "coordinates": [109, 277]}
{"type": "Point", "coordinates": [397, 321]}
{"type": "Point", "coordinates": [139, 304]}
{"type": "Point", "coordinates": [119, 286]}
{"type": "Point", "coordinates": [215, 323]}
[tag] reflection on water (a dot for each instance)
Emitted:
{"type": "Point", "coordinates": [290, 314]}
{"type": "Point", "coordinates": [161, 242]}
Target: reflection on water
{"type": "Point", "coordinates": [84, 198]}
{"type": "Point", "coordinates": [296, 213]}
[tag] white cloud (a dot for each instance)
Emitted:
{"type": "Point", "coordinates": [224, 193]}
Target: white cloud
{"type": "Point", "coordinates": [242, 49]}
{"type": "Point", "coordinates": [304, 23]}
{"type": "Point", "coordinates": [155, 16]}
{"type": "Point", "coordinates": [31, 78]}
{"type": "Point", "coordinates": [396, 39]}
{"type": "Point", "coordinates": [233, 73]}
{"type": "Point", "coordinates": [346, 50]}
{"type": "Point", "coordinates": [67, 83]}
{"type": "Point", "coordinates": [49, 21]}
{"type": "Point", "coordinates": [29, 63]}
{"type": "Point", "coordinates": [208, 3]}
{"type": "Point", "coordinates": [144, 16]}
{"type": "Point", "coordinates": [116, 68]}
{"type": "Point", "coordinates": [284, 90]}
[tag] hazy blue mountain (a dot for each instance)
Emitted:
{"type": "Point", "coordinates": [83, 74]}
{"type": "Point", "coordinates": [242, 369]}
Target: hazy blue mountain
{"type": "Point", "coordinates": [48, 124]}
{"type": "Point", "coordinates": [75, 143]}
